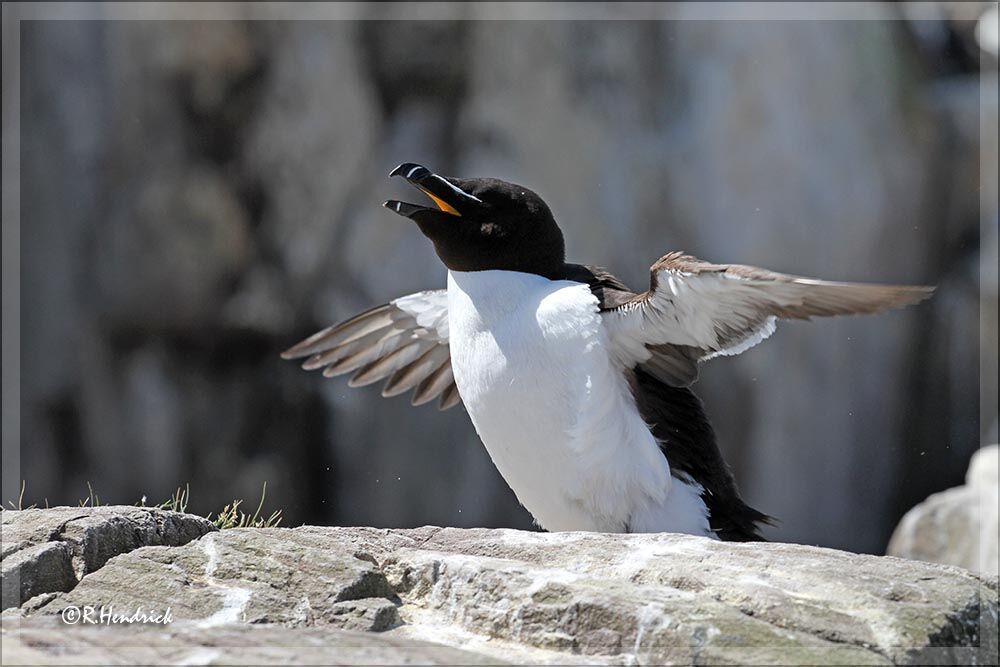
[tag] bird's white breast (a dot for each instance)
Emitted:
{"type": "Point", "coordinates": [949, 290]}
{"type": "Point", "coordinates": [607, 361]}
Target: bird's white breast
{"type": "Point", "coordinates": [531, 361]}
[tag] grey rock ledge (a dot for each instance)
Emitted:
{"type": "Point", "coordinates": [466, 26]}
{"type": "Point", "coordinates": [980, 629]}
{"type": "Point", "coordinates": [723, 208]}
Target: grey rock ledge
{"type": "Point", "coordinates": [457, 596]}
{"type": "Point", "coordinates": [50, 550]}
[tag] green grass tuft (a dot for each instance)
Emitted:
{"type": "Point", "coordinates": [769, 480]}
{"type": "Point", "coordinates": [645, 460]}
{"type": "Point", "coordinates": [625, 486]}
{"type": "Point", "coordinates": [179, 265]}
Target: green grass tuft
{"type": "Point", "coordinates": [230, 517]}
{"type": "Point", "coordinates": [91, 500]}
{"type": "Point", "coordinates": [20, 501]}
{"type": "Point", "coordinates": [178, 502]}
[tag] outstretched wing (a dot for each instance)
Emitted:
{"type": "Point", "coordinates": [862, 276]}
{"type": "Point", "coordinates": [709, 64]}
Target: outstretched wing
{"type": "Point", "coordinates": [405, 340]}
{"type": "Point", "coordinates": [695, 310]}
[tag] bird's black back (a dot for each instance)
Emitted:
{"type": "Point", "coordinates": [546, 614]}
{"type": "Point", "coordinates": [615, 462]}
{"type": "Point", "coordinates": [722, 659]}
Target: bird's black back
{"type": "Point", "coordinates": [678, 421]}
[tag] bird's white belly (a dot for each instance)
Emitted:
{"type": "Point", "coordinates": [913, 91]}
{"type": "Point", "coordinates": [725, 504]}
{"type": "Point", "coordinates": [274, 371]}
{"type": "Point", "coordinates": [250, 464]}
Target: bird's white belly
{"type": "Point", "coordinates": [530, 358]}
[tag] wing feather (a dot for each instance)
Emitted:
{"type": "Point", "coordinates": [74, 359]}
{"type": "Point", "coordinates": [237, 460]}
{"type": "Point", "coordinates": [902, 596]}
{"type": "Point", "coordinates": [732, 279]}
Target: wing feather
{"type": "Point", "coordinates": [387, 365]}
{"type": "Point", "coordinates": [434, 384]}
{"type": "Point", "coordinates": [449, 398]}
{"type": "Point", "coordinates": [357, 327]}
{"type": "Point", "coordinates": [696, 310]}
{"type": "Point", "coordinates": [405, 340]}
{"type": "Point", "coordinates": [357, 353]}
{"type": "Point", "coordinates": [413, 374]}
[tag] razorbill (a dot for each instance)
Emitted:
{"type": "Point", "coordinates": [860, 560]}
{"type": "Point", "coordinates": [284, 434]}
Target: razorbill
{"type": "Point", "coordinates": [578, 387]}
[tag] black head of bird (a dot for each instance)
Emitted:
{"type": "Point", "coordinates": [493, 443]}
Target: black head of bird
{"type": "Point", "coordinates": [478, 224]}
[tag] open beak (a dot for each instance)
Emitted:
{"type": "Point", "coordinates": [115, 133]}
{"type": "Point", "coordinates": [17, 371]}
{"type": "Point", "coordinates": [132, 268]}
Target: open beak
{"type": "Point", "coordinates": [447, 197]}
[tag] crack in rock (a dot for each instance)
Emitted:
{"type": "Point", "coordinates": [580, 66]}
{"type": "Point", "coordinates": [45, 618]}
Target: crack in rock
{"type": "Point", "coordinates": [52, 550]}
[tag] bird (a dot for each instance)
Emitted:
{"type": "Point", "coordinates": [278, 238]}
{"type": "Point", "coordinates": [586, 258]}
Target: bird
{"type": "Point", "coordinates": [579, 388]}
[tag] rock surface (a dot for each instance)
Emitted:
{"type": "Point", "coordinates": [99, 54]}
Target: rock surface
{"type": "Point", "coordinates": [46, 551]}
{"type": "Point", "coordinates": [959, 526]}
{"type": "Point", "coordinates": [34, 642]}
{"type": "Point", "coordinates": [507, 595]}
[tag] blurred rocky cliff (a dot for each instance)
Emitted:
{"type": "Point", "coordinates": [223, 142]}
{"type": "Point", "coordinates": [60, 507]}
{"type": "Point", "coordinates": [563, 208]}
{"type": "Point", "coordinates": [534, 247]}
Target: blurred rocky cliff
{"type": "Point", "coordinates": [196, 196]}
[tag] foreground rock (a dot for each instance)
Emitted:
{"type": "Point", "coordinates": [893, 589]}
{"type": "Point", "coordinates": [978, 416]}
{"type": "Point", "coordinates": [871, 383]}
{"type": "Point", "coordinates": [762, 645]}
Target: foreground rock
{"type": "Point", "coordinates": [504, 595]}
{"type": "Point", "coordinates": [46, 551]}
{"type": "Point", "coordinates": [958, 526]}
{"type": "Point", "coordinates": [243, 644]}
